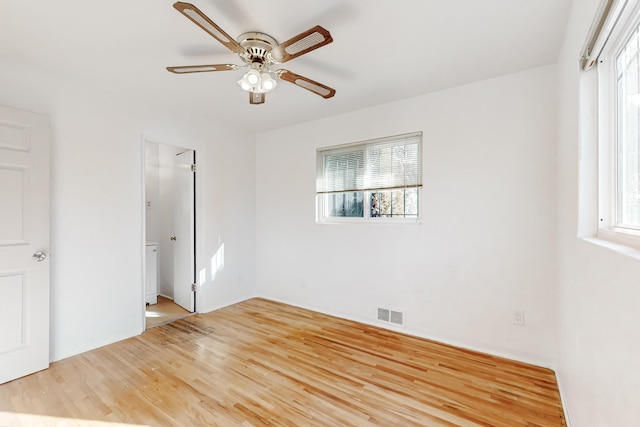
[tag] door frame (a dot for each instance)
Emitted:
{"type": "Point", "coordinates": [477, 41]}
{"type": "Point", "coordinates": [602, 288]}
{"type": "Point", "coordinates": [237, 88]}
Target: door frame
{"type": "Point", "coordinates": [143, 212]}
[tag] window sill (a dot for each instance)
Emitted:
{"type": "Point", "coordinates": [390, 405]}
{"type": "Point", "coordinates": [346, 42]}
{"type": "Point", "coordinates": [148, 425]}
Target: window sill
{"type": "Point", "coordinates": [362, 221]}
{"type": "Point", "coordinates": [624, 242]}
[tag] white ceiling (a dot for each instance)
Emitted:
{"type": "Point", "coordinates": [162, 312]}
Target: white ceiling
{"type": "Point", "coordinates": [383, 50]}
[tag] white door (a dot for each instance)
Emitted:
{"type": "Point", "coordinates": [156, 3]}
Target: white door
{"type": "Point", "coordinates": [183, 225]}
{"type": "Point", "coordinates": [24, 243]}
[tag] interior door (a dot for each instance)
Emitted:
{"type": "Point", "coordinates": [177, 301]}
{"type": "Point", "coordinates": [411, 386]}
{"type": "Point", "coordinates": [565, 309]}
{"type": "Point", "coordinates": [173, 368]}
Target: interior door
{"type": "Point", "coordinates": [24, 243]}
{"type": "Point", "coordinates": [184, 229]}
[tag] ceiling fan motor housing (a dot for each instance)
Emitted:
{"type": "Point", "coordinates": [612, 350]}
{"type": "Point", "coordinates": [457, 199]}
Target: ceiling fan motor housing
{"type": "Point", "coordinates": [257, 46]}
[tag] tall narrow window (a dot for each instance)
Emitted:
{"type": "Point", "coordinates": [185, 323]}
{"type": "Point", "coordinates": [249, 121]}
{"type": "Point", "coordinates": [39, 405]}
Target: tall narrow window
{"type": "Point", "coordinates": [370, 180]}
{"type": "Point", "coordinates": [610, 133]}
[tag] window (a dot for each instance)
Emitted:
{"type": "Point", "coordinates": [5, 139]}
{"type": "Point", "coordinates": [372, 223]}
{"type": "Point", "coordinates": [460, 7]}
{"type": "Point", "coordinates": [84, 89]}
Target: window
{"type": "Point", "coordinates": [627, 136]}
{"type": "Point", "coordinates": [613, 50]}
{"type": "Point", "coordinates": [370, 180]}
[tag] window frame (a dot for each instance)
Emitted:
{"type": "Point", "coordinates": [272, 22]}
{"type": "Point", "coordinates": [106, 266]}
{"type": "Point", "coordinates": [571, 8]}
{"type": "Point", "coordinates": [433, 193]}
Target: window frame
{"type": "Point", "coordinates": [607, 117]}
{"type": "Point", "coordinates": [366, 218]}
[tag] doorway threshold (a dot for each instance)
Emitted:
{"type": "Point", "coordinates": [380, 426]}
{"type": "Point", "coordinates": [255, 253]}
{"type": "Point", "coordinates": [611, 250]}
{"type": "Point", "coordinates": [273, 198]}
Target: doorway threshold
{"type": "Point", "coordinates": [165, 311]}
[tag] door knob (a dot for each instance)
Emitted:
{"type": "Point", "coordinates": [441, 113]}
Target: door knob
{"type": "Point", "coordinates": [173, 238]}
{"type": "Point", "coordinates": [39, 256]}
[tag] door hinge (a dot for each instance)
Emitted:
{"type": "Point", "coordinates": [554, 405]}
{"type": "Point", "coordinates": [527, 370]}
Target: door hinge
{"type": "Point", "coordinates": [193, 287]}
{"type": "Point", "coordinates": [193, 167]}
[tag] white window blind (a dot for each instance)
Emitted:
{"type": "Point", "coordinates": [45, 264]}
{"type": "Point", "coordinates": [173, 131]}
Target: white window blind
{"type": "Point", "coordinates": [381, 164]}
{"type": "Point", "coordinates": [606, 19]}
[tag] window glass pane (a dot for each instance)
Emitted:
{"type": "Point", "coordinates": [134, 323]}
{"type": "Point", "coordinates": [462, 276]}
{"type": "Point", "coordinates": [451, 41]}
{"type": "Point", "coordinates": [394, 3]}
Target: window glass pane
{"type": "Point", "coordinates": [380, 204]}
{"type": "Point", "coordinates": [410, 200]}
{"type": "Point", "coordinates": [344, 204]}
{"type": "Point", "coordinates": [628, 134]}
{"type": "Point", "coordinates": [402, 203]}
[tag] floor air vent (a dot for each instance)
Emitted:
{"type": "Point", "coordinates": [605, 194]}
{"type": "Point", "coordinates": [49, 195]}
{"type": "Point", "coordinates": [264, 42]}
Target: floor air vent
{"type": "Point", "coordinates": [391, 316]}
{"type": "Point", "coordinates": [384, 314]}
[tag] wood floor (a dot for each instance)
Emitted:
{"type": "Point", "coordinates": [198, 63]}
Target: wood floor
{"type": "Point", "coordinates": [164, 311]}
{"type": "Point", "coordinates": [263, 363]}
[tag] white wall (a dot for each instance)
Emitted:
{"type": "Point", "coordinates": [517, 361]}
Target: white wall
{"type": "Point", "coordinates": [97, 203]}
{"type": "Point", "coordinates": [599, 290]}
{"type": "Point", "coordinates": [486, 245]}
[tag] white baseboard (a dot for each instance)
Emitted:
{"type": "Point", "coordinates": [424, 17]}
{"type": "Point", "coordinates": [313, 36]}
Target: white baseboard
{"type": "Point", "coordinates": [561, 390]}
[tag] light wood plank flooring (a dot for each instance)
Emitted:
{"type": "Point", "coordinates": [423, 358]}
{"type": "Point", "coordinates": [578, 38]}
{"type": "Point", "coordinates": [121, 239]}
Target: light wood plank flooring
{"type": "Point", "coordinates": [164, 311]}
{"type": "Point", "coordinates": [263, 363]}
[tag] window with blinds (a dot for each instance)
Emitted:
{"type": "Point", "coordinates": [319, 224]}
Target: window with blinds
{"type": "Point", "coordinates": [380, 178]}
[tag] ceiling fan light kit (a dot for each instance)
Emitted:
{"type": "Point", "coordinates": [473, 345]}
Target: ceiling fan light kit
{"type": "Point", "coordinates": [259, 52]}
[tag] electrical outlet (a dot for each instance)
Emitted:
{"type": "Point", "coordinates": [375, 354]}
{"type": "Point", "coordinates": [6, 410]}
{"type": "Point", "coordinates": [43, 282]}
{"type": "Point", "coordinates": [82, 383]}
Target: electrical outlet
{"type": "Point", "coordinates": [518, 317]}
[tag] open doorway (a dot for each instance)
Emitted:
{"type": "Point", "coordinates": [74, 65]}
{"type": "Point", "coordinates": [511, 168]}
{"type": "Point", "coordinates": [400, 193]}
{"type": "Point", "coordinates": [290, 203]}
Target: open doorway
{"type": "Point", "coordinates": [169, 233]}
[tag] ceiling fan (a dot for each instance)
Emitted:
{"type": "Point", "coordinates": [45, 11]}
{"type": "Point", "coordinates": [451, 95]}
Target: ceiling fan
{"type": "Point", "coordinates": [259, 52]}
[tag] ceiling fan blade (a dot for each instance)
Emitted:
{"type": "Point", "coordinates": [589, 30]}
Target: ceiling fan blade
{"type": "Point", "coordinates": [302, 43]}
{"type": "Point", "coordinates": [256, 98]}
{"type": "Point", "coordinates": [201, 20]}
{"type": "Point", "coordinates": [202, 68]}
{"type": "Point", "coordinates": [306, 83]}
